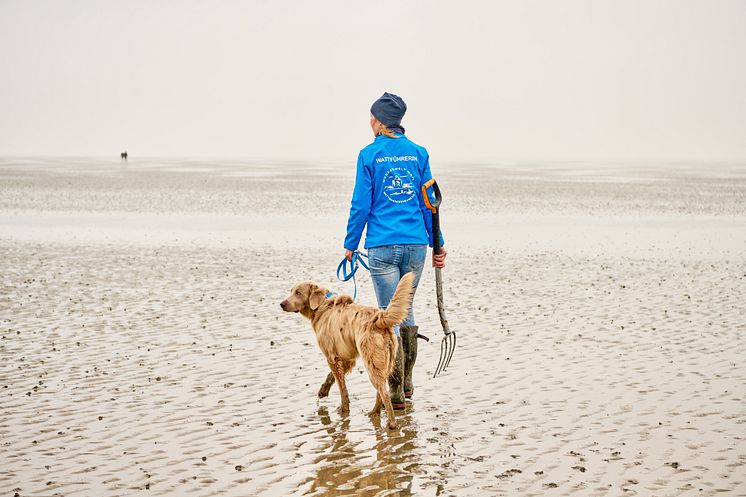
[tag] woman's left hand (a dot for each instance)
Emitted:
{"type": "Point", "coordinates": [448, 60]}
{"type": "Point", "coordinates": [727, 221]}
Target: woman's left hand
{"type": "Point", "coordinates": [439, 260]}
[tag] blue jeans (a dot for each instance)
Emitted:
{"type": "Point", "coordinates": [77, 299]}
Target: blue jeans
{"type": "Point", "coordinates": [388, 264]}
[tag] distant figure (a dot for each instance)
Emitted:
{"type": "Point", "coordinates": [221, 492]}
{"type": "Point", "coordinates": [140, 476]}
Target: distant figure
{"type": "Point", "coordinates": [124, 156]}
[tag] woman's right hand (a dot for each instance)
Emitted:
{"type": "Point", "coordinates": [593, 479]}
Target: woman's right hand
{"type": "Point", "coordinates": [439, 260]}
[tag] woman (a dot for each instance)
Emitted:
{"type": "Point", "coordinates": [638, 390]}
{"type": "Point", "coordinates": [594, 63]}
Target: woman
{"type": "Point", "coordinates": [388, 199]}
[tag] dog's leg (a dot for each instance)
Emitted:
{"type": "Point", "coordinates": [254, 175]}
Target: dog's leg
{"type": "Point", "coordinates": [376, 407]}
{"type": "Point", "coordinates": [383, 392]}
{"type": "Point", "coordinates": [379, 367]}
{"type": "Point", "coordinates": [326, 386]}
{"type": "Point", "coordinates": [339, 374]}
{"type": "Point", "coordinates": [380, 383]}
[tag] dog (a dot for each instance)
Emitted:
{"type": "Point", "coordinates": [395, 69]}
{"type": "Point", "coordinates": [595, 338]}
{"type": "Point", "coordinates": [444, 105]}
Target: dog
{"type": "Point", "coordinates": [345, 330]}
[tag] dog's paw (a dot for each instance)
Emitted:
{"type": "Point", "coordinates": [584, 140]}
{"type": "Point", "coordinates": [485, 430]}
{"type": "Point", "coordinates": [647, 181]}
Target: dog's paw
{"type": "Point", "coordinates": [326, 386]}
{"type": "Point", "coordinates": [393, 425]}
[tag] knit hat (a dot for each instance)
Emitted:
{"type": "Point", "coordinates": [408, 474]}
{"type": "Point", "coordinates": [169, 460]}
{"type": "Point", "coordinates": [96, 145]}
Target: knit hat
{"type": "Point", "coordinates": [389, 109]}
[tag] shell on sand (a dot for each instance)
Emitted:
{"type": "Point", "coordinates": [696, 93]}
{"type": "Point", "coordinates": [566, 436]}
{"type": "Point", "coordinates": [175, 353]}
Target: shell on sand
{"type": "Point", "coordinates": [600, 314]}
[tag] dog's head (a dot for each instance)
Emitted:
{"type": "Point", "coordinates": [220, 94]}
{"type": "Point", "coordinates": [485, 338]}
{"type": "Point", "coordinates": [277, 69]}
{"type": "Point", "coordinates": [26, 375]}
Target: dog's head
{"type": "Point", "coordinates": [306, 296]}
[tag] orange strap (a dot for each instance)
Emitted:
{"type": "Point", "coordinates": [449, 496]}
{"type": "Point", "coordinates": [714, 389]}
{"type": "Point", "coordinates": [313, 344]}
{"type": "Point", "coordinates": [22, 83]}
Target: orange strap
{"type": "Point", "coordinates": [426, 197]}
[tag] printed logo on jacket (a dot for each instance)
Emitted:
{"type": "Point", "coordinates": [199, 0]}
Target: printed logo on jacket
{"type": "Point", "coordinates": [398, 185]}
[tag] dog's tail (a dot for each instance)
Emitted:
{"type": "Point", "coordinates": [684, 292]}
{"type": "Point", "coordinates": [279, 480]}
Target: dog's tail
{"type": "Point", "coordinates": [398, 308]}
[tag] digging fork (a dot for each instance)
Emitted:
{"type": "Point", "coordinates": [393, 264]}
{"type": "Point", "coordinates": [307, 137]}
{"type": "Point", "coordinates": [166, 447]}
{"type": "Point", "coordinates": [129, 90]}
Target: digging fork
{"type": "Point", "coordinates": [448, 344]}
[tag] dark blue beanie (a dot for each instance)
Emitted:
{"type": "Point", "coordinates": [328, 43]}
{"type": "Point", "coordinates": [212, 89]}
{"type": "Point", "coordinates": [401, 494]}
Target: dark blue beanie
{"type": "Point", "coordinates": [389, 109]}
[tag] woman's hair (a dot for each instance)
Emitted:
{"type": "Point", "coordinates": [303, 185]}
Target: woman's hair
{"type": "Point", "coordinates": [385, 131]}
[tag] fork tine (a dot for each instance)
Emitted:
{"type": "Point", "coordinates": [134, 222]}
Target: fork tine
{"type": "Point", "coordinates": [443, 352]}
{"type": "Point", "coordinates": [447, 347]}
{"type": "Point", "coordinates": [440, 360]}
{"type": "Point", "coordinates": [452, 349]}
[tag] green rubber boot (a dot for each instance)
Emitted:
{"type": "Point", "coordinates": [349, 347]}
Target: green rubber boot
{"type": "Point", "coordinates": [396, 380]}
{"type": "Point", "coordinates": [409, 339]}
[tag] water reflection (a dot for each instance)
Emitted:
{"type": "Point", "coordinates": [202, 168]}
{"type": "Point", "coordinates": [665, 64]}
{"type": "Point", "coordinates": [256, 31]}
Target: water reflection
{"type": "Point", "coordinates": [382, 462]}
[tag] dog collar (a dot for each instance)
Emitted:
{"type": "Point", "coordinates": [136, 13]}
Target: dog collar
{"type": "Point", "coordinates": [330, 294]}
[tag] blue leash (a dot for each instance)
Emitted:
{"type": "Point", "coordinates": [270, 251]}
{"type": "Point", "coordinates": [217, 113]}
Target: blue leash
{"type": "Point", "coordinates": [354, 264]}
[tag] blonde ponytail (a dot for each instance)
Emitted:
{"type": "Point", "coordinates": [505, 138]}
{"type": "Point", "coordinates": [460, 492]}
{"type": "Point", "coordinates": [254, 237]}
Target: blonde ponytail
{"type": "Point", "coordinates": [385, 131]}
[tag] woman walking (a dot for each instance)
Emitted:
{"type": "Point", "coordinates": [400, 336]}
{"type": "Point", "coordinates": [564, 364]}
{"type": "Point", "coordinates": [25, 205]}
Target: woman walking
{"type": "Point", "coordinates": [388, 200]}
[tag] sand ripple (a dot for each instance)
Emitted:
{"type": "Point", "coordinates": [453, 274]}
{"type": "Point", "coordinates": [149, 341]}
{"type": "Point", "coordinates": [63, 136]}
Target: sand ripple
{"type": "Point", "coordinates": [600, 315]}
{"type": "Point", "coordinates": [170, 370]}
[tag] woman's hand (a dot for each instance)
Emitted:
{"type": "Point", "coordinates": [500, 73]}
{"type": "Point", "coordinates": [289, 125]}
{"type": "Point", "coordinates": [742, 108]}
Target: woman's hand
{"type": "Point", "coordinates": [439, 260]}
{"type": "Point", "coordinates": [348, 254]}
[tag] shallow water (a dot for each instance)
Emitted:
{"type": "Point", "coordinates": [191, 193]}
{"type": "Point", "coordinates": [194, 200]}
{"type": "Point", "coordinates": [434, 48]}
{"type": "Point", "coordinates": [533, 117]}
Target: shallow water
{"type": "Point", "coordinates": [143, 348]}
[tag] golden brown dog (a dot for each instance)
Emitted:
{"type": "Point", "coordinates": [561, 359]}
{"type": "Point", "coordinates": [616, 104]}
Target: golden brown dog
{"type": "Point", "coordinates": [345, 330]}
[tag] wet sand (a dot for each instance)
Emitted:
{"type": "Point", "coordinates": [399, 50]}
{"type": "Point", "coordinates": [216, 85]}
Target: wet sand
{"type": "Point", "coordinates": [599, 310]}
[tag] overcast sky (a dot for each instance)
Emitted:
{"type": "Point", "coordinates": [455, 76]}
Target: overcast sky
{"type": "Point", "coordinates": [484, 80]}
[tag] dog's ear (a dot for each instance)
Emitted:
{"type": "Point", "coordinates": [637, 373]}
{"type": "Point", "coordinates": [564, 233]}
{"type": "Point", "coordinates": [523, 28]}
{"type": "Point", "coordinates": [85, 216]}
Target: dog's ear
{"type": "Point", "coordinates": [316, 298]}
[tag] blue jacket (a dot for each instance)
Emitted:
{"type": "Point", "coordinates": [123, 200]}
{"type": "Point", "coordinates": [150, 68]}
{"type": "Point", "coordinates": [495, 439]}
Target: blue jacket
{"type": "Point", "coordinates": [388, 195]}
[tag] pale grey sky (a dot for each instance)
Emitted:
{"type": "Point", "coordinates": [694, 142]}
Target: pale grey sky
{"type": "Point", "coordinates": [484, 80]}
